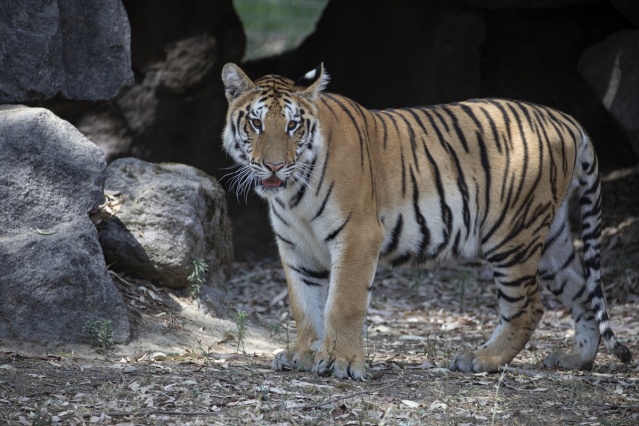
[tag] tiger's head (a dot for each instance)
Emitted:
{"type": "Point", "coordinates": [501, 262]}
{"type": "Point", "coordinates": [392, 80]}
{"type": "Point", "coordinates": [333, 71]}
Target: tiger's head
{"type": "Point", "coordinates": [272, 130]}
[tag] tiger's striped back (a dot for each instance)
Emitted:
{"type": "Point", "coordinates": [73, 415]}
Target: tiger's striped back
{"type": "Point", "coordinates": [472, 176]}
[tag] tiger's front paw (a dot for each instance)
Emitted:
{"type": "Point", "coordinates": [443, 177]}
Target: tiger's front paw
{"type": "Point", "coordinates": [340, 366]}
{"type": "Point", "coordinates": [474, 362]}
{"type": "Point", "coordinates": [293, 360]}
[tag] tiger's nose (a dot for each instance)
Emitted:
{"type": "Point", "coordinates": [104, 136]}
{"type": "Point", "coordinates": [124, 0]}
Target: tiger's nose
{"type": "Point", "coordinates": [274, 166]}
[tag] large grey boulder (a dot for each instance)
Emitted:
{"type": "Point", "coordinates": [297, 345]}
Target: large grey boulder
{"type": "Point", "coordinates": [53, 277]}
{"type": "Point", "coordinates": [73, 49]}
{"type": "Point", "coordinates": [172, 214]}
{"type": "Point", "coordinates": [611, 68]}
{"type": "Point", "coordinates": [175, 111]}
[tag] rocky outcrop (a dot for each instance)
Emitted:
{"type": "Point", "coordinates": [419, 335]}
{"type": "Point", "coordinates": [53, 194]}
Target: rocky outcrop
{"type": "Point", "coordinates": [53, 274]}
{"type": "Point", "coordinates": [176, 109]}
{"type": "Point", "coordinates": [53, 277]}
{"type": "Point", "coordinates": [612, 70]}
{"type": "Point", "coordinates": [172, 214]}
{"type": "Point", "coordinates": [73, 49]}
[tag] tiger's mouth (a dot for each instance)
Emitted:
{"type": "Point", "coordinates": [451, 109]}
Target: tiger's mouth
{"type": "Point", "coordinates": [272, 182]}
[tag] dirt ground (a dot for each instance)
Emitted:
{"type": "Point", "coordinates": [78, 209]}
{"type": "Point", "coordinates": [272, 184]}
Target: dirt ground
{"type": "Point", "coordinates": [185, 367]}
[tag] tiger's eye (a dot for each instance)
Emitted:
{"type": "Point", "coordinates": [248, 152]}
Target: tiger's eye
{"type": "Point", "coordinates": [291, 125]}
{"type": "Point", "coordinates": [257, 123]}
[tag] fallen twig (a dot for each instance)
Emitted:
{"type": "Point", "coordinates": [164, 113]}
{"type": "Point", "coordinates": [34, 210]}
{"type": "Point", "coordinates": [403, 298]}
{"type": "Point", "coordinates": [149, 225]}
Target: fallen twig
{"type": "Point", "coordinates": [616, 406]}
{"type": "Point", "coordinates": [26, 355]}
{"type": "Point", "coordinates": [554, 376]}
{"type": "Point", "coordinates": [152, 412]}
{"type": "Point", "coordinates": [330, 401]}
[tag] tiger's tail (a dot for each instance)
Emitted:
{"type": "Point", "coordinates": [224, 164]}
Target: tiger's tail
{"type": "Point", "coordinates": [589, 191]}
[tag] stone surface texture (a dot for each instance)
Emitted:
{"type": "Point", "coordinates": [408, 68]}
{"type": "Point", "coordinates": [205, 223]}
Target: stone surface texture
{"type": "Point", "coordinates": [53, 277]}
{"type": "Point", "coordinates": [65, 49]}
{"type": "Point", "coordinates": [172, 214]}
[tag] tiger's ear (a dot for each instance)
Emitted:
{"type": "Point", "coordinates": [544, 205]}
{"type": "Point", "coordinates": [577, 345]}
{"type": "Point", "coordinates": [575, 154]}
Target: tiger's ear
{"type": "Point", "coordinates": [235, 81]}
{"type": "Point", "coordinates": [315, 81]}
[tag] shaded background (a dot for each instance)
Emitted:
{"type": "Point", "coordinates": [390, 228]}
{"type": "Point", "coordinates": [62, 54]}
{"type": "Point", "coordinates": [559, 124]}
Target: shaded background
{"type": "Point", "coordinates": [382, 53]}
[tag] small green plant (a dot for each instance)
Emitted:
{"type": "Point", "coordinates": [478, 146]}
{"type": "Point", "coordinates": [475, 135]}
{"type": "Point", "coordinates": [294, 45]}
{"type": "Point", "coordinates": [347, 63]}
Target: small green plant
{"type": "Point", "coordinates": [464, 278]}
{"type": "Point", "coordinates": [430, 348]}
{"type": "Point", "coordinates": [419, 277]}
{"type": "Point", "coordinates": [275, 328]}
{"type": "Point", "coordinates": [241, 322]}
{"type": "Point", "coordinates": [197, 277]}
{"type": "Point", "coordinates": [206, 353]}
{"type": "Point", "coordinates": [100, 332]}
{"type": "Point", "coordinates": [41, 417]}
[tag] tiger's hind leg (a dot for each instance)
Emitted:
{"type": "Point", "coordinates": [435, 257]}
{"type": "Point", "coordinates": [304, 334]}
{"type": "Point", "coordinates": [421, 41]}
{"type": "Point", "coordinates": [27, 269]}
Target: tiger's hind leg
{"type": "Point", "coordinates": [520, 308]}
{"type": "Point", "coordinates": [562, 272]}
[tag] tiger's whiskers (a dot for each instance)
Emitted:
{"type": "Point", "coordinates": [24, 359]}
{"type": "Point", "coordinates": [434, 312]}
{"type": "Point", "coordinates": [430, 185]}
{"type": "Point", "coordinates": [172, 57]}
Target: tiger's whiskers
{"type": "Point", "coordinates": [242, 180]}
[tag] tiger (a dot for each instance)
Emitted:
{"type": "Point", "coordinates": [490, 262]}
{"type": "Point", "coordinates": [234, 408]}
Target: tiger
{"type": "Point", "coordinates": [349, 188]}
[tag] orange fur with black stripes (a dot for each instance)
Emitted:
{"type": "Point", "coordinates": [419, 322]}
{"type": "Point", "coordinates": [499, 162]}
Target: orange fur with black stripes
{"type": "Point", "coordinates": [348, 187]}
